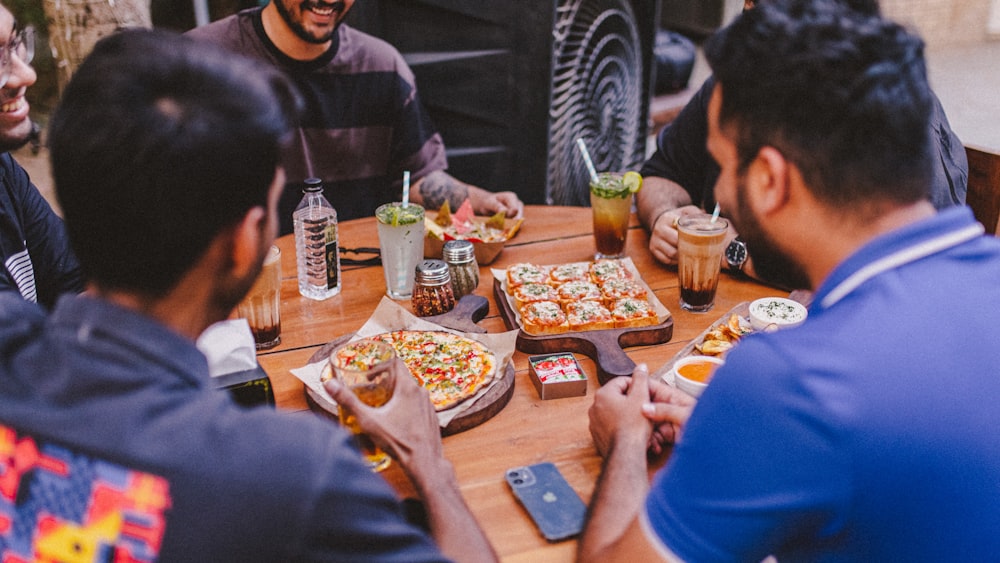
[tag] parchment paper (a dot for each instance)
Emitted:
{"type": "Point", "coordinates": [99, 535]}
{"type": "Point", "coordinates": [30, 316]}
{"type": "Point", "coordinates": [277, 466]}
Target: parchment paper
{"type": "Point", "coordinates": [388, 317]}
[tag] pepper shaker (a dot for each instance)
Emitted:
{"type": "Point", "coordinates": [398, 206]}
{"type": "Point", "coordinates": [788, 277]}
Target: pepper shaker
{"type": "Point", "coordinates": [432, 292]}
{"type": "Point", "coordinates": [460, 256]}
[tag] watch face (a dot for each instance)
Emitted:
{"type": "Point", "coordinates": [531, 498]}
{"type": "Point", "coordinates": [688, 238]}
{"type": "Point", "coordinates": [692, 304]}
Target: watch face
{"type": "Point", "coordinates": [736, 253]}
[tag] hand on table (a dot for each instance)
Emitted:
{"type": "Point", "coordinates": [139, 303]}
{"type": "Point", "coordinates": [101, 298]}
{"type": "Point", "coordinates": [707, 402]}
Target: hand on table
{"type": "Point", "coordinates": [406, 427]}
{"type": "Point", "coordinates": [489, 203]}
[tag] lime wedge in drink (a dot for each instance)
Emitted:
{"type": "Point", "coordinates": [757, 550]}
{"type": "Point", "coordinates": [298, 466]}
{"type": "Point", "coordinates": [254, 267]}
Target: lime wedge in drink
{"type": "Point", "coordinates": [632, 181]}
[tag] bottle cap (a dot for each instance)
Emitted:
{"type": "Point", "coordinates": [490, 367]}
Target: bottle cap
{"type": "Point", "coordinates": [458, 251]}
{"type": "Point", "coordinates": [432, 272]}
{"type": "Point", "coordinates": [313, 185]}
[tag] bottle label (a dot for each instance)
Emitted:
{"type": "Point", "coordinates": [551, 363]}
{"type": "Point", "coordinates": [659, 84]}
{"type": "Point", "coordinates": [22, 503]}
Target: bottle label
{"type": "Point", "coordinates": [332, 257]}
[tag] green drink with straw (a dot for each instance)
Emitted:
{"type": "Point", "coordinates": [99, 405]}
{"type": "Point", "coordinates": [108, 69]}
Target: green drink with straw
{"type": "Point", "coordinates": [611, 200]}
{"type": "Point", "coordinates": [401, 240]}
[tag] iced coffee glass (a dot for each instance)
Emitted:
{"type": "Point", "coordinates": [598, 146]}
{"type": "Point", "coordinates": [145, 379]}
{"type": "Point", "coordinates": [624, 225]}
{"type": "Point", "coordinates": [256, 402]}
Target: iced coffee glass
{"type": "Point", "coordinates": [365, 367]}
{"type": "Point", "coordinates": [261, 306]}
{"type": "Point", "coordinates": [701, 243]}
{"type": "Point", "coordinates": [401, 242]}
{"type": "Point", "coordinates": [611, 202]}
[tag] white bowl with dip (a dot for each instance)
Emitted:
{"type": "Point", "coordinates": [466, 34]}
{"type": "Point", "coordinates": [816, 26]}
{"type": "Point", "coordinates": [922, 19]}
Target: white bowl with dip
{"type": "Point", "coordinates": [774, 313]}
{"type": "Point", "coordinates": [693, 373]}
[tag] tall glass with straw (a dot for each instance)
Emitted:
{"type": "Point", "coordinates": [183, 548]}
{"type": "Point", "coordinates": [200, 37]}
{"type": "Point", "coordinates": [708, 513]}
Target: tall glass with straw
{"type": "Point", "coordinates": [611, 201]}
{"type": "Point", "coordinates": [401, 240]}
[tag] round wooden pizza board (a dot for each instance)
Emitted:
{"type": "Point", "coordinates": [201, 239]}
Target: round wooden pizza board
{"type": "Point", "coordinates": [486, 407]}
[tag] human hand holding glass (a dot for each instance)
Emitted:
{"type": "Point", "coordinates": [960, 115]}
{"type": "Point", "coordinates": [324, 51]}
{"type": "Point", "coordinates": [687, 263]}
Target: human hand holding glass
{"type": "Point", "coordinates": [406, 427]}
{"type": "Point", "coordinates": [366, 368]}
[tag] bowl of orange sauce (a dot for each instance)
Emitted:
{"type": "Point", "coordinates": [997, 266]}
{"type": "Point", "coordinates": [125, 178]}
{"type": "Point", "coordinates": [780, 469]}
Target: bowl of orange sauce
{"type": "Point", "coordinates": [693, 373]}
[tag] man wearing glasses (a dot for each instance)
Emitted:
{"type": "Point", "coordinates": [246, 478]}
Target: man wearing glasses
{"type": "Point", "coordinates": [37, 259]}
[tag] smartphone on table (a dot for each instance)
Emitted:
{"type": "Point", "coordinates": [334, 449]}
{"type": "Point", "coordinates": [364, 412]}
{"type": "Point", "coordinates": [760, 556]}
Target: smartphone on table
{"type": "Point", "coordinates": [553, 505]}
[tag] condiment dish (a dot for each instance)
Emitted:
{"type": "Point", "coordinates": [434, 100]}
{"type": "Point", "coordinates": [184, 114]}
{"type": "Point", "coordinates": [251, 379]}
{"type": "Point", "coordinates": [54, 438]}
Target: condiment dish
{"type": "Point", "coordinates": [774, 313]}
{"type": "Point", "coordinates": [693, 373]}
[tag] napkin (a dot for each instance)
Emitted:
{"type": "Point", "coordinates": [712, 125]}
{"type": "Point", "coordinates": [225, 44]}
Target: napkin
{"type": "Point", "coordinates": [228, 346]}
{"type": "Point", "coordinates": [390, 316]}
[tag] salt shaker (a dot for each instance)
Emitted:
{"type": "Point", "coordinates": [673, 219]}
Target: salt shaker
{"type": "Point", "coordinates": [432, 292]}
{"type": "Point", "coordinates": [460, 256]}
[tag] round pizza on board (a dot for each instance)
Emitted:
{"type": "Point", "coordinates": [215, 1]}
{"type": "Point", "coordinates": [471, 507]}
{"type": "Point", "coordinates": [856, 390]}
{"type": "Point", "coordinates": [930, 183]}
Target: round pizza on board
{"type": "Point", "coordinates": [452, 368]}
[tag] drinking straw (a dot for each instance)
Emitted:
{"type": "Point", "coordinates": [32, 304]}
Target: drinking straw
{"type": "Point", "coordinates": [586, 159]}
{"type": "Point", "coordinates": [406, 188]}
{"type": "Point", "coordinates": [715, 214]}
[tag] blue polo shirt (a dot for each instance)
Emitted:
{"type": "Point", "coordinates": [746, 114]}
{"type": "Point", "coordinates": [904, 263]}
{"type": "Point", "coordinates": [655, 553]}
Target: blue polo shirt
{"type": "Point", "coordinates": [869, 433]}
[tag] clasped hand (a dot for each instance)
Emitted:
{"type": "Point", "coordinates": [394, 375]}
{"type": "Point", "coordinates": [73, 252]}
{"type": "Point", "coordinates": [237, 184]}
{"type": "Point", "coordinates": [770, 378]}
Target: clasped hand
{"type": "Point", "coordinates": [629, 407]}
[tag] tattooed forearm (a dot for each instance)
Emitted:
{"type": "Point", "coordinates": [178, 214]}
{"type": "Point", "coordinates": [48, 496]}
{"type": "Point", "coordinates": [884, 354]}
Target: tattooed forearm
{"type": "Point", "coordinates": [438, 186]}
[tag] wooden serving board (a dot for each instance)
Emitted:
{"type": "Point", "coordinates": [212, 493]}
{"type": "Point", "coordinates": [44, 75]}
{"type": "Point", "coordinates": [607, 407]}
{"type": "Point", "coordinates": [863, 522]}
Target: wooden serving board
{"type": "Point", "coordinates": [486, 407]}
{"type": "Point", "coordinates": [605, 347]}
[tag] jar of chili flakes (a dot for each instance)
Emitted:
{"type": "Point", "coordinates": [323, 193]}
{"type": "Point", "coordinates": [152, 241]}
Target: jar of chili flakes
{"type": "Point", "coordinates": [432, 291]}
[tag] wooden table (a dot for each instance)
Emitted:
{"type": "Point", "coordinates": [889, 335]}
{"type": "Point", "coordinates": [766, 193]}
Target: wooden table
{"type": "Point", "coordinates": [528, 430]}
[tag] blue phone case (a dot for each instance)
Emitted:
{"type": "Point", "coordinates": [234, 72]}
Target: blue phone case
{"type": "Point", "coordinates": [554, 506]}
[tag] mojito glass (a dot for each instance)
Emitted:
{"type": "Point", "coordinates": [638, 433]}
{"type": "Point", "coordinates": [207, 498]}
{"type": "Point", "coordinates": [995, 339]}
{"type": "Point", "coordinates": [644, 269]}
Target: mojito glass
{"type": "Point", "coordinates": [611, 201]}
{"type": "Point", "coordinates": [401, 241]}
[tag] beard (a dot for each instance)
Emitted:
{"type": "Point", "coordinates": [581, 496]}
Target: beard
{"type": "Point", "coordinates": [227, 297]}
{"type": "Point", "coordinates": [16, 137]}
{"type": "Point", "coordinates": [770, 264]}
{"type": "Point", "coordinates": [299, 29]}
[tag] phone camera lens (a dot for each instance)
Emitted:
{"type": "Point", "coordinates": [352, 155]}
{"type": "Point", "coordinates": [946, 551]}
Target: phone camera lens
{"type": "Point", "coordinates": [518, 481]}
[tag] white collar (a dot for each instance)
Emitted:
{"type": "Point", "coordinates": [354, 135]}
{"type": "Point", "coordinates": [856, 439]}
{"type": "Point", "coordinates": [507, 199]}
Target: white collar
{"type": "Point", "coordinates": [898, 258]}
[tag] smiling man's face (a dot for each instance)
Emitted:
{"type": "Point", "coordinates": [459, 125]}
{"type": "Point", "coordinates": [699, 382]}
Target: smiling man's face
{"type": "Point", "coordinates": [15, 126]}
{"type": "Point", "coordinates": [313, 21]}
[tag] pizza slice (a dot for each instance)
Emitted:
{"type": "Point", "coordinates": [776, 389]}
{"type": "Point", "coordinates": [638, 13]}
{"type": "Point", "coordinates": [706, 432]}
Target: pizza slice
{"type": "Point", "coordinates": [520, 274]}
{"type": "Point", "coordinates": [569, 272]}
{"type": "Point", "coordinates": [630, 312]}
{"type": "Point", "coordinates": [544, 317]}
{"type": "Point", "coordinates": [604, 270]}
{"type": "Point", "coordinates": [579, 290]}
{"type": "Point", "coordinates": [618, 288]}
{"type": "Point", "coordinates": [532, 292]}
{"type": "Point", "coordinates": [588, 315]}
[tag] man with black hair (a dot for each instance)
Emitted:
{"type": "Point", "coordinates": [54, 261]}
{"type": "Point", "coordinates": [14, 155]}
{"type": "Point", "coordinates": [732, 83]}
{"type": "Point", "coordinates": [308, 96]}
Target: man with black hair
{"type": "Point", "coordinates": [165, 156]}
{"type": "Point", "coordinates": [37, 261]}
{"type": "Point", "coordinates": [680, 174]}
{"type": "Point", "coordinates": [861, 435]}
{"type": "Point", "coordinates": [364, 123]}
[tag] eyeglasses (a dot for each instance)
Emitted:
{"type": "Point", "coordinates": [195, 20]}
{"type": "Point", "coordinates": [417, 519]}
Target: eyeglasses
{"type": "Point", "coordinates": [21, 44]}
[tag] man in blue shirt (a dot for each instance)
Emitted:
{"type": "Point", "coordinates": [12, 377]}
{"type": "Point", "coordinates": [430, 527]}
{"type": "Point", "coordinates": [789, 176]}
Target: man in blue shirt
{"type": "Point", "coordinates": [37, 261]}
{"type": "Point", "coordinates": [868, 433]}
{"type": "Point", "coordinates": [165, 158]}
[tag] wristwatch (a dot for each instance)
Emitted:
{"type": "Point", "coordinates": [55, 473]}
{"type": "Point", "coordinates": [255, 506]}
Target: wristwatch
{"type": "Point", "coordinates": [736, 254]}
